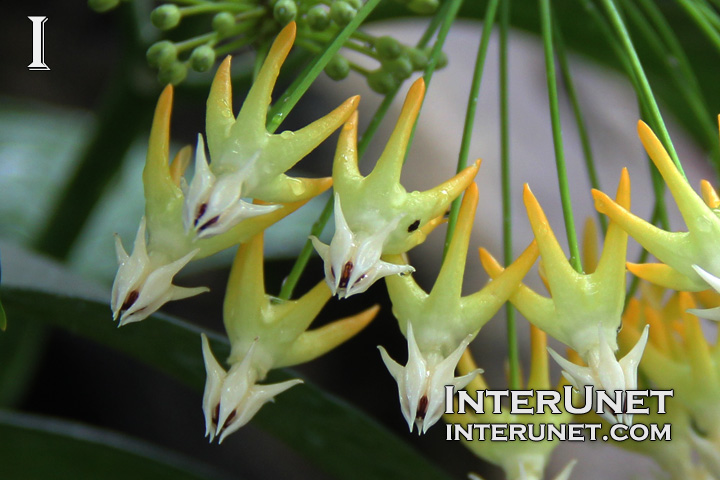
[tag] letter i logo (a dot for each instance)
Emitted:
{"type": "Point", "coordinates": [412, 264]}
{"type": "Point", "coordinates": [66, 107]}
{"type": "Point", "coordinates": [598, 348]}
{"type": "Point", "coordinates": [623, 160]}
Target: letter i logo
{"type": "Point", "coordinates": [38, 51]}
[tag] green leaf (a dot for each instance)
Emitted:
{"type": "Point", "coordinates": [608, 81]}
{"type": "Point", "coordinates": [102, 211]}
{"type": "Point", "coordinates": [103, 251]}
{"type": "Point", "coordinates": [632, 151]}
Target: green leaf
{"type": "Point", "coordinates": [327, 431]}
{"type": "Point", "coordinates": [39, 448]}
{"type": "Point", "coordinates": [3, 318]}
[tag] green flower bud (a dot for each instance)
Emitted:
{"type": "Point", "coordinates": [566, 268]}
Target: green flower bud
{"type": "Point", "coordinates": [442, 60]}
{"type": "Point", "coordinates": [223, 22]}
{"type": "Point", "coordinates": [382, 82]}
{"type": "Point", "coordinates": [173, 73]}
{"type": "Point", "coordinates": [166, 16]}
{"type": "Point", "coordinates": [102, 5]}
{"type": "Point", "coordinates": [285, 11]}
{"type": "Point", "coordinates": [318, 18]}
{"type": "Point", "coordinates": [161, 54]}
{"type": "Point", "coordinates": [388, 48]}
{"type": "Point", "coordinates": [337, 68]}
{"type": "Point", "coordinates": [356, 4]}
{"type": "Point", "coordinates": [202, 58]}
{"type": "Point", "coordinates": [400, 68]}
{"type": "Point", "coordinates": [423, 7]}
{"type": "Point", "coordinates": [342, 12]}
{"type": "Point", "coordinates": [418, 58]}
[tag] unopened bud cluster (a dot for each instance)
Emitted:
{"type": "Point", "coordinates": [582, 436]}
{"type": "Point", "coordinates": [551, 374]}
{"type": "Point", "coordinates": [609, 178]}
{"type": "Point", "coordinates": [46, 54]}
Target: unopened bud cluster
{"type": "Point", "coordinates": [230, 27]}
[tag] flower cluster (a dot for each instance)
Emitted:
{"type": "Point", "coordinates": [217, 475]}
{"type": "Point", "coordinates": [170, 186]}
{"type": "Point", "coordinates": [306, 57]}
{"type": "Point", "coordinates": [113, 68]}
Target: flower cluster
{"type": "Point", "coordinates": [240, 186]}
{"type": "Point", "coordinates": [242, 23]}
{"type": "Point", "coordinates": [185, 222]}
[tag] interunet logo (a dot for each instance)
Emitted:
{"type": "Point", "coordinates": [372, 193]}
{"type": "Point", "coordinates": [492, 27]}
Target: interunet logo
{"type": "Point", "coordinates": [628, 402]}
{"type": "Point", "coordinates": [38, 50]}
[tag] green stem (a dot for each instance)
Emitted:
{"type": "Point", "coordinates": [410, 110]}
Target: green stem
{"type": "Point", "coordinates": [470, 111]}
{"type": "Point", "coordinates": [645, 91]}
{"type": "Point", "coordinates": [303, 258]}
{"type": "Point", "coordinates": [547, 35]}
{"type": "Point", "coordinates": [452, 11]}
{"type": "Point", "coordinates": [297, 89]}
{"type": "Point", "coordinates": [700, 16]}
{"type": "Point", "coordinates": [514, 379]}
{"type": "Point", "coordinates": [566, 74]}
{"type": "Point", "coordinates": [667, 48]}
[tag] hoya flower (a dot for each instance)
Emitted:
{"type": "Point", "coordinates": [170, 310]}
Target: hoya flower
{"type": "Point", "coordinates": [185, 222]}
{"type": "Point", "coordinates": [585, 310]}
{"type": "Point", "coordinates": [440, 325]}
{"type": "Point", "coordinates": [246, 160]}
{"type": "Point", "coordinates": [690, 259]}
{"type": "Point", "coordinates": [675, 357]}
{"type": "Point", "coordinates": [375, 215]}
{"type": "Point", "coordinates": [679, 357]}
{"type": "Point", "coordinates": [520, 460]}
{"type": "Point", "coordinates": [264, 333]}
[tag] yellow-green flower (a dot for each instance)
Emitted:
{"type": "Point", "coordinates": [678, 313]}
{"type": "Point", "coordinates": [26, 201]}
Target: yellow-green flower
{"type": "Point", "coordinates": [247, 160]}
{"type": "Point", "coordinates": [679, 357]}
{"type": "Point", "coordinates": [520, 460]}
{"type": "Point", "coordinates": [690, 259]}
{"type": "Point", "coordinates": [187, 222]}
{"type": "Point", "coordinates": [667, 364]}
{"type": "Point", "coordinates": [440, 325]}
{"type": "Point", "coordinates": [375, 215]}
{"type": "Point", "coordinates": [264, 333]}
{"type": "Point", "coordinates": [585, 310]}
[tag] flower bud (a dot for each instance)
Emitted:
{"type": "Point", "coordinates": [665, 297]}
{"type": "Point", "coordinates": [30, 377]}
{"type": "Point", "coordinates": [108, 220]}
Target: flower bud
{"type": "Point", "coordinates": [102, 5]}
{"type": "Point", "coordinates": [173, 73]}
{"type": "Point", "coordinates": [285, 11]}
{"type": "Point", "coordinates": [202, 58]}
{"type": "Point", "coordinates": [400, 68]}
{"type": "Point", "coordinates": [388, 48]}
{"type": "Point", "coordinates": [318, 18]}
{"type": "Point", "coordinates": [161, 54]}
{"type": "Point", "coordinates": [342, 12]}
{"type": "Point", "coordinates": [381, 81]}
{"type": "Point", "coordinates": [223, 22]}
{"type": "Point", "coordinates": [418, 58]}
{"type": "Point", "coordinates": [337, 68]}
{"type": "Point", "coordinates": [423, 7]}
{"type": "Point", "coordinates": [166, 17]}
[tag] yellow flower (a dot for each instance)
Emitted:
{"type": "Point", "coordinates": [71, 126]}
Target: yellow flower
{"type": "Point", "coordinates": [264, 333]}
{"type": "Point", "coordinates": [440, 325]}
{"type": "Point", "coordinates": [188, 222]}
{"type": "Point", "coordinates": [679, 357]}
{"type": "Point", "coordinates": [521, 460]}
{"type": "Point", "coordinates": [690, 259]}
{"type": "Point", "coordinates": [585, 309]}
{"type": "Point", "coordinates": [375, 215]}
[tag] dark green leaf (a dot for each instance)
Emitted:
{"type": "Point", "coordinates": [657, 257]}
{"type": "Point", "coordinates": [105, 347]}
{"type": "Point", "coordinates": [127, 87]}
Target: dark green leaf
{"type": "Point", "coordinates": [327, 431]}
{"type": "Point", "coordinates": [73, 451]}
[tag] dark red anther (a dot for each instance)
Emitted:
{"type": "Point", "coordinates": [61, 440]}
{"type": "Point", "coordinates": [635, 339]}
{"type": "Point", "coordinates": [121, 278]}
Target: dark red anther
{"type": "Point", "coordinates": [200, 213]}
{"type": "Point", "coordinates": [209, 223]}
{"type": "Point", "coordinates": [347, 270]}
{"type": "Point", "coordinates": [130, 300]}
{"type": "Point", "coordinates": [422, 408]}
{"type": "Point", "coordinates": [216, 414]}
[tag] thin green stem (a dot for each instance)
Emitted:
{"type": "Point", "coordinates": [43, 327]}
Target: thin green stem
{"type": "Point", "coordinates": [700, 16]}
{"type": "Point", "coordinates": [196, 41]}
{"type": "Point", "coordinates": [297, 89]}
{"type": "Point", "coordinates": [303, 258]}
{"type": "Point", "coordinates": [645, 91]}
{"type": "Point", "coordinates": [566, 74]}
{"type": "Point", "coordinates": [452, 11]}
{"type": "Point", "coordinates": [669, 51]}
{"type": "Point", "coordinates": [488, 21]}
{"type": "Point", "coordinates": [514, 379]}
{"type": "Point", "coordinates": [547, 35]}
